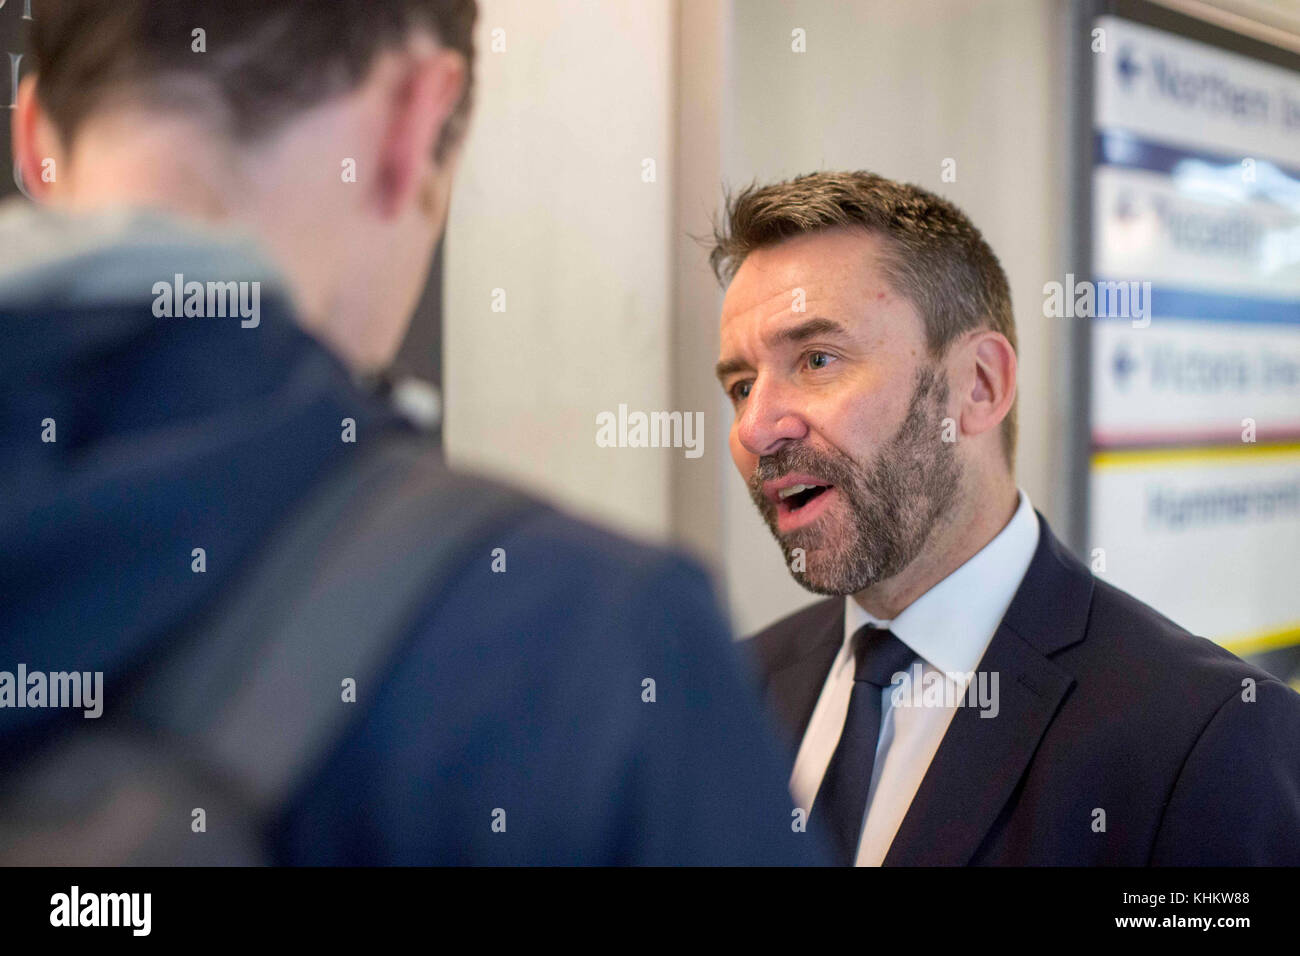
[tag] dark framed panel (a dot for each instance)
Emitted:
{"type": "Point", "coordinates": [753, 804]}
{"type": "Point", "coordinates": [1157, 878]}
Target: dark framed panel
{"type": "Point", "coordinates": [14, 17]}
{"type": "Point", "coordinates": [1082, 149]}
{"type": "Point", "coordinates": [1278, 646]}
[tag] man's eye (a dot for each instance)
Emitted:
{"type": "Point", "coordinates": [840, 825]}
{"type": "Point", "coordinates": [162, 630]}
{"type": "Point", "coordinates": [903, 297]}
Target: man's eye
{"type": "Point", "coordinates": [819, 359]}
{"type": "Point", "coordinates": [740, 390]}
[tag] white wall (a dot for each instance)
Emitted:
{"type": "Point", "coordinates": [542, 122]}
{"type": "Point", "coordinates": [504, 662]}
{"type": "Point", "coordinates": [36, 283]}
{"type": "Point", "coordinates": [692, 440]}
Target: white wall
{"type": "Point", "coordinates": [551, 207]}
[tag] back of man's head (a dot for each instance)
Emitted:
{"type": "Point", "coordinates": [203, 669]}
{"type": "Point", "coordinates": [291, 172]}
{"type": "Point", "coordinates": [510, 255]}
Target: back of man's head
{"type": "Point", "coordinates": [328, 129]}
{"type": "Point", "coordinates": [252, 63]}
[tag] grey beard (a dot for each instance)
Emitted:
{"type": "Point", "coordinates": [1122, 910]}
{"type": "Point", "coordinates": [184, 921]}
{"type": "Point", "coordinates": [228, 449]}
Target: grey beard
{"type": "Point", "coordinates": [893, 504]}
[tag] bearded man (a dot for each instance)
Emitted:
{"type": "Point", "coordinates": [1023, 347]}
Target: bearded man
{"type": "Point", "coordinates": [868, 347]}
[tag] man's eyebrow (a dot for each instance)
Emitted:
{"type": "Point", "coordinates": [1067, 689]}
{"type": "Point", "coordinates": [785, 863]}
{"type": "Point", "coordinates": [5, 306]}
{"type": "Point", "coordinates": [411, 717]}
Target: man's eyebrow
{"type": "Point", "coordinates": [806, 330]}
{"type": "Point", "coordinates": [729, 366]}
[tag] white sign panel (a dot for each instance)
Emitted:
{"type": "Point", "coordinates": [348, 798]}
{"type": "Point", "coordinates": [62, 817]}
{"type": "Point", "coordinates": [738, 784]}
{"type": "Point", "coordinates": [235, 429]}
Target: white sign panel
{"type": "Point", "coordinates": [1202, 535]}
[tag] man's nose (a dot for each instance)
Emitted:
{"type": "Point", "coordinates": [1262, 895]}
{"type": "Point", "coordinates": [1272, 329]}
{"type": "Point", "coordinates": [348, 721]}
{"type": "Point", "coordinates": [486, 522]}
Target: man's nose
{"type": "Point", "coordinates": [770, 419]}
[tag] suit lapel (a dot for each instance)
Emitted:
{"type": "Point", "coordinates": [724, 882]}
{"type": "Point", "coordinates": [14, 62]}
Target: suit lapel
{"type": "Point", "coordinates": [792, 688]}
{"type": "Point", "coordinates": [981, 759]}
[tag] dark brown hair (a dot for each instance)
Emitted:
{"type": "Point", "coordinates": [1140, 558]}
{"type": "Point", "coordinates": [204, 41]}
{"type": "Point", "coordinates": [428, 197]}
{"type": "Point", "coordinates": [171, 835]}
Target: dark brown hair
{"type": "Point", "coordinates": [265, 59]}
{"type": "Point", "coordinates": [936, 257]}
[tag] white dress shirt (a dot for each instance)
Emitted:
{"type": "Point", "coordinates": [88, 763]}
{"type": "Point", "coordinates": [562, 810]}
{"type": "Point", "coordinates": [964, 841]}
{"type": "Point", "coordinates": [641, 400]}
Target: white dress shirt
{"type": "Point", "coordinates": [949, 627]}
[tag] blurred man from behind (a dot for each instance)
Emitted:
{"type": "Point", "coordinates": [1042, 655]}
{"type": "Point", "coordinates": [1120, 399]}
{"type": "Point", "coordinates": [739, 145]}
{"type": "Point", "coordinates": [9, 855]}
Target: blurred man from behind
{"type": "Point", "coordinates": [237, 205]}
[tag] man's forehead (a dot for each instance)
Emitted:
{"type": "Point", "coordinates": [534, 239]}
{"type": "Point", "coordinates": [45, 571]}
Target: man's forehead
{"type": "Point", "coordinates": [817, 267]}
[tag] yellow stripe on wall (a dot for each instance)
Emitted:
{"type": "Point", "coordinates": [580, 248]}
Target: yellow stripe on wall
{"type": "Point", "coordinates": [1244, 454]}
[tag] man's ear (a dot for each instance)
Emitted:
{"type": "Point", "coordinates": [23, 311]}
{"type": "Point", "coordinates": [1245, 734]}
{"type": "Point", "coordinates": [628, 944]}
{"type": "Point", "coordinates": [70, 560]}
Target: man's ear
{"type": "Point", "coordinates": [993, 384]}
{"type": "Point", "coordinates": [34, 142]}
{"type": "Point", "coordinates": [421, 100]}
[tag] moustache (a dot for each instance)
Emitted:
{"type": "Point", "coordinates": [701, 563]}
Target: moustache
{"type": "Point", "coordinates": [791, 458]}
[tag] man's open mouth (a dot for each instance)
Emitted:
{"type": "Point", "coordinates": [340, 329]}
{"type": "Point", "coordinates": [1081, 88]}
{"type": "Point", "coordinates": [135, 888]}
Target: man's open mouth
{"type": "Point", "coordinates": [797, 500]}
{"type": "Point", "coordinates": [796, 496]}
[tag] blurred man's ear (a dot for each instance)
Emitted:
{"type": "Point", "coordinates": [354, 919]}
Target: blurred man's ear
{"type": "Point", "coordinates": [34, 143]}
{"type": "Point", "coordinates": [426, 93]}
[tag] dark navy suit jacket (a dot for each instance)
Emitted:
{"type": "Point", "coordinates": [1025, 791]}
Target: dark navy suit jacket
{"type": "Point", "coordinates": [1110, 714]}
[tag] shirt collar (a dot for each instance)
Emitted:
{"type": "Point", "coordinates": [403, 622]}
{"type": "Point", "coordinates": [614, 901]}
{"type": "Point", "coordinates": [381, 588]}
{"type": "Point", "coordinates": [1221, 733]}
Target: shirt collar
{"type": "Point", "coordinates": [950, 625]}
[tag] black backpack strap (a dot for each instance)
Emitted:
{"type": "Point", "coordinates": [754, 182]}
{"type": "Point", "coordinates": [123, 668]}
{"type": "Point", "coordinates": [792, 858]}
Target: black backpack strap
{"type": "Point", "coordinates": [257, 691]}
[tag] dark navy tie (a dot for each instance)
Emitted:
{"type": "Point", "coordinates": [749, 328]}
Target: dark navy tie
{"type": "Point", "coordinates": [841, 801]}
